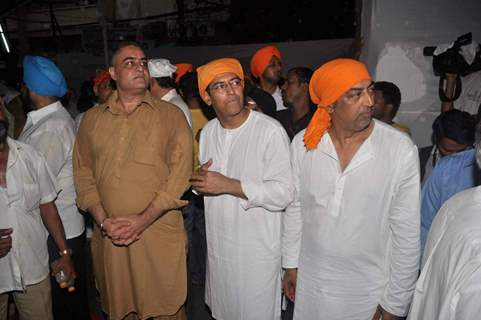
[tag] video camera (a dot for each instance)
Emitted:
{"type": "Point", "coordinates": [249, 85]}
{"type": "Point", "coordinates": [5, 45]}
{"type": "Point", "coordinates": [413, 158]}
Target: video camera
{"type": "Point", "coordinates": [450, 61]}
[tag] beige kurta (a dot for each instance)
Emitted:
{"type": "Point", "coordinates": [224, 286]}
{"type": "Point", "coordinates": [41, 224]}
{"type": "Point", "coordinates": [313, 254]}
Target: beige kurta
{"type": "Point", "coordinates": [125, 162]}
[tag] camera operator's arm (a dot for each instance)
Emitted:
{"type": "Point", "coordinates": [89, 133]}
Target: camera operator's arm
{"type": "Point", "coordinates": [450, 85]}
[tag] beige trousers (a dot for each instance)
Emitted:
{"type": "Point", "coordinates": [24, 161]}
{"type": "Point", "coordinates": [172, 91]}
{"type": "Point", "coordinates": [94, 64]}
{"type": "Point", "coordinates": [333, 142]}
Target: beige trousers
{"type": "Point", "coordinates": [35, 303]}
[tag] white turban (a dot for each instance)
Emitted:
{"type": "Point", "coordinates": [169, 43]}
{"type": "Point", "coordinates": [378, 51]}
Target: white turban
{"type": "Point", "coordinates": [159, 68]}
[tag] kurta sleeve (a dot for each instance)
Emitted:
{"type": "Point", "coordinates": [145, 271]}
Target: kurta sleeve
{"type": "Point", "coordinates": [292, 222]}
{"type": "Point", "coordinates": [180, 163]}
{"type": "Point", "coordinates": [46, 181]}
{"type": "Point", "coordinates": [468, 306]}
{"type": "Point", "coordinates": [430, 204]}
{"type": "Point", "coordinates": [83, 161]}
{"type": "Point", "coordinates": [403, 265]}
{"type": "Point", "coordinates": [54, 146]}
{"type": "Point", "coordinates": [274, 191]}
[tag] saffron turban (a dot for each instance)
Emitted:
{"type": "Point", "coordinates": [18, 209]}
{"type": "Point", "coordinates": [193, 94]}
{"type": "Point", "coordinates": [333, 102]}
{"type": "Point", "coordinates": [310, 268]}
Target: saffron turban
{"type": "Point", "coordinates": [101, 77]}
{"type": "Point", "coordinates": [260, 60]}
{"type": "Point", "coordinates": [208, 72]}
{"type": "Point", "coordinates": [43, 77]}
{"type": "Point", "coordinates": [182, 68]}
{"type": "Point", "coordinates": [328, 83]}
{"type": "Point", "coordinates": [160, 68]}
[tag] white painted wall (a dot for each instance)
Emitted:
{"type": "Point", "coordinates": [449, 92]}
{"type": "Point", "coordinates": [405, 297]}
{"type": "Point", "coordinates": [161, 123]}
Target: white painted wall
{"type": "Point", "coordinates": [395, 33]}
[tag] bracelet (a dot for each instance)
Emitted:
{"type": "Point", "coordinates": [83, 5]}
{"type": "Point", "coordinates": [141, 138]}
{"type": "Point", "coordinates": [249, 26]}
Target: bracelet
{"type": "Point", "coordinates": [66, 252]}
{"type": "Point", "coordinates": [102, 225]}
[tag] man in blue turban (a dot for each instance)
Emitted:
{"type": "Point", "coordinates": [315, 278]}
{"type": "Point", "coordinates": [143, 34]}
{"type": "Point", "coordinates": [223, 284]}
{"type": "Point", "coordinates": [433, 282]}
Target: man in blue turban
{"type": "Point", "coordinates": [43, 77]}
{"type": "Point", "coordinates": [51, 130]}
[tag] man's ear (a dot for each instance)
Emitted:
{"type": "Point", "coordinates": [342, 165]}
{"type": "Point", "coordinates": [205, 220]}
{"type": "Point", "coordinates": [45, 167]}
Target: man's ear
{"type": "Point", "coordinates": [113, 75]}
{"type": "Point", "coordinates": [330, 108]}
{"type": "Point", "coordinates": [206, 97]}
{"type": "Point", "coordinates": [389, 108]}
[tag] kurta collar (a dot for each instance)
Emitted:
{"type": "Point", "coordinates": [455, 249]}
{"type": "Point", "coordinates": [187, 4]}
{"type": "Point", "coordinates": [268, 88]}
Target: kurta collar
{"type": "Point", "coordinates": [37, 115]}
{"type": "Point", "coordinates": [111, 103]}
{"type": "Point", "coordinates": [170, 95]}
{"type": "Point", "coordinates": [363, 154]}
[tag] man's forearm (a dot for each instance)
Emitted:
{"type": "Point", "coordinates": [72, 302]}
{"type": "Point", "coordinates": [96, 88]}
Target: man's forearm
{"type": "Point", "coordinates": [54, 225]}
{"type": "Point", "coordinates": [234, 188]}
{"type": "Point", "coordinates": [98, 213]}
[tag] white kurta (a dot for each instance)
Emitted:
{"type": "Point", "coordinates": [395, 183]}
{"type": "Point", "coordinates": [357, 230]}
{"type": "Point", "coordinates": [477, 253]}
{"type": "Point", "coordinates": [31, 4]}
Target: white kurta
{"type": "Point", "coordinates": [173, 97]}
{"type": "Point", "coordinates": [449, 287]}
{"type": "Point", "coordinates": [29, 184]}
{"type": "Point", "coordinates": [243, 280]}
{"type": "Point", "coordinates": [354, 234]}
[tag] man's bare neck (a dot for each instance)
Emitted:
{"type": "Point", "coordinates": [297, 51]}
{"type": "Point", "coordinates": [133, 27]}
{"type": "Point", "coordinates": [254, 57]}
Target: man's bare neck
{"type": "Point", "coordinates": [268, 86]}
{"type": "Point", "coordinates": [344, 136]}
{"type": "Point", "coordinates": [300, 109]}
{"type": "Point", "coordinates": [234, 121]}
{"type": "Point", "coordinates": [127, 102]}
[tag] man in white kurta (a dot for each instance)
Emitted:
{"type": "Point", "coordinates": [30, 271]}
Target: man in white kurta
{"type": "Point", "coordinates": [250, 151]}
{"type": "Point", "coordinates": [449, 286]}
{"type": "Point", "coordinates": [163, 86]}
{"type": "Point", "coordinates": [353, 229]}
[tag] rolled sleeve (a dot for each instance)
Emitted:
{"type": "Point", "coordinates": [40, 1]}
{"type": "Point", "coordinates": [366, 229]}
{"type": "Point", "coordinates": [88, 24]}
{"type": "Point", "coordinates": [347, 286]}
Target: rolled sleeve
{"type": "Point", "coordinates": [180, 165]}
{"type": "Point", "coordinates": [85, 185]}
{"type": "Point", "coordinates": [46, 182]}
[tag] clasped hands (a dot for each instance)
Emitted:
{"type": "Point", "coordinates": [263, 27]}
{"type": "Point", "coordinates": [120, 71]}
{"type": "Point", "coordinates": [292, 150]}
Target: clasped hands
{"type": "Point", "coordinates": [124, 231]}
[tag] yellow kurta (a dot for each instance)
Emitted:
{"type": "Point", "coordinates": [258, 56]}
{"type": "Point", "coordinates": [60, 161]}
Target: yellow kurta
{"type": "Point", "coordinates": [125, 162]}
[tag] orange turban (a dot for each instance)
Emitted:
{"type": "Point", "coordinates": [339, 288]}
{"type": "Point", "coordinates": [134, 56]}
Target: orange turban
{"type": "Point", "coordinates": [261, 59]}
{"type": "Point", "coordinates": [101, 77]}
{"type": "Point", "coordinates": [208, 72]}
{"type": "Point", "coordinates": [329, 83]}
{"type": "Point", "coordinates": [182, 68]}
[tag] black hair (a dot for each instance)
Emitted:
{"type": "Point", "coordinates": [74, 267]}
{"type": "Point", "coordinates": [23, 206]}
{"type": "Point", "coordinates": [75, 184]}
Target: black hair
{"type": "Point", "coordinates": [166, 82]}
{"type": "Point", "coordinates": [303, 74]}
{"type": "Point", "coordinates": [456, 125]}
{"type": "Point", "coordinates": [390, 93]}
{"type": "Point", "coordinates": [188, 85]}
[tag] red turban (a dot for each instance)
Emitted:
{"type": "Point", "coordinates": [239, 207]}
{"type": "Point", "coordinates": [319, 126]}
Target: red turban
{"type": "Point", "coordinates": [101, 77]}
{"type": "Point", "coordinates": [260, 60]}
{"type": "Point", "coordinates": [182, 68]}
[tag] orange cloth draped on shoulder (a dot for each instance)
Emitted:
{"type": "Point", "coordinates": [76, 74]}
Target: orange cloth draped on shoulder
{"type": "Point", "coordinates": [328, 83]}
{"type": "Point", "coordinates": [182, 68]}
{"type": "Point", "coordinates": [260, 60]}
{"type": "Point", "coordinates": [208, 72]}
{"type": "Point", "coordinates": [101, 77]}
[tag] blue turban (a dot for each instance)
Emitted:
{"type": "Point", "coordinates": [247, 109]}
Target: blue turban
{"type": "Point", "coordinates": [43, 77]}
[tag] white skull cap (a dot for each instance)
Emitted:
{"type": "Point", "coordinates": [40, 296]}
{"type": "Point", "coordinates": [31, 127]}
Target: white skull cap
{"type": "Point", "coordinates": [159, 68]}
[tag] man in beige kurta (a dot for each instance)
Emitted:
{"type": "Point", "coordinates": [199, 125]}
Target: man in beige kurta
{"type": "Point", "coordinates": [132, 162]}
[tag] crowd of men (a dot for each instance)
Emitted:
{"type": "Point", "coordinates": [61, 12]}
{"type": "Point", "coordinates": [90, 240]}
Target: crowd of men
{"type": "Point", "coordinates": [296, 197]}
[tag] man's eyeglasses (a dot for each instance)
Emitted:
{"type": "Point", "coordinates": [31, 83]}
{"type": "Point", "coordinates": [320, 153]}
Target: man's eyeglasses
{"type": "Point", "coordinates": [222, 86]}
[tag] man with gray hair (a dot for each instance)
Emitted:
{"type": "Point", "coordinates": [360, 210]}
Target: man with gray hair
{"type": "Point", "coordinates": [449, 286]}
{"type": "Point", "coordinates": [163, 86]}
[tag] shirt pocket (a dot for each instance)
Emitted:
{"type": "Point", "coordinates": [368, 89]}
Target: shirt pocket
{"type": "Point", "coordinates": [31, 196]}
{"type": "Point", "coordinates": [145, 155]}
{"type": "Point", "coordinates": [148, 165]}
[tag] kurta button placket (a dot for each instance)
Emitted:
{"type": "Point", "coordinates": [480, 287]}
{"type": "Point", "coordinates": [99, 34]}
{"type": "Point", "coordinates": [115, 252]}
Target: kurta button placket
{"type": "Point", "coordinates": [121, 145]}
